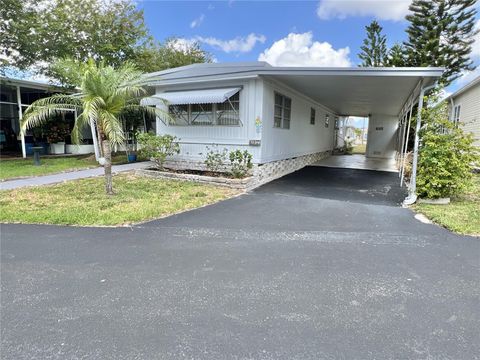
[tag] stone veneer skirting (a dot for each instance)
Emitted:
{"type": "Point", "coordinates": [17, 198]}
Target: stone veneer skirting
{"type": "Point", "coordinates": [262, 173]}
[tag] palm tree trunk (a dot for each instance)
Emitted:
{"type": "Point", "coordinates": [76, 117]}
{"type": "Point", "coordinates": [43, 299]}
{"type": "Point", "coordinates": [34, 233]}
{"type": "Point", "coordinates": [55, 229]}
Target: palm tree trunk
{"type": "Point", "coordinates": [107, 153]}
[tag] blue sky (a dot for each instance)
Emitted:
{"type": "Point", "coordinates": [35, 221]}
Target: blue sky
{"type": "Point", "coordinates": [226, 20]}
{"type": "Point", "coordinates": [297, 33]}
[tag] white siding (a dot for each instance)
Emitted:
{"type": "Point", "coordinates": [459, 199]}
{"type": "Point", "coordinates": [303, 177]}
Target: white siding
{"type": "Point", "coordinates": [195, 139]}
{"type": "Point", "coordinates": [381, 136]}
{"type": "Point", "coordinates": [469, 102]}
{"type": "Point", "coordinates": [302, 138]}
{"type": "Point", "coordinates": [256, 101]}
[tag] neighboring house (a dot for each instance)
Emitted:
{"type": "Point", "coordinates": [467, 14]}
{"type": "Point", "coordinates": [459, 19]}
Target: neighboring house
{"type": "Point", "coordinates": [15, 97]}
{"type": "Point", "coordinates": [464, 108]}
{"type": "Point", "coordinates": [286, 117]}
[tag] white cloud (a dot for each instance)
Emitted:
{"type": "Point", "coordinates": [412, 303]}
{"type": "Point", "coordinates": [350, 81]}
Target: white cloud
{"type": "Point", "coordinates": [301, 50]}
{"type": "Point", "coordinates": [239, 44]}
{"type": "Point", "coordinates": [198, 21]}
{"type": "Point", "coordinates": [381, 9]}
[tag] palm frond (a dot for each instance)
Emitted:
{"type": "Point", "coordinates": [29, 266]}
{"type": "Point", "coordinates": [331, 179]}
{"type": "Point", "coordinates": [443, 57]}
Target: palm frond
{"type": "Point", "coordinates": [112, 127]}
{"type": "Point", "coordinates": [43, 109]}
{"type": "Point", "coordinates": [164, 116]}
{"type": "Point", "coordinates": [82, 121]}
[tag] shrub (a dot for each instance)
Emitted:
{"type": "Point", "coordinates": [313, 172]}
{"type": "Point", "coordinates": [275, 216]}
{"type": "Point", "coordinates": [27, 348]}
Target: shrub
{"type": "Point", "coordinates": [240, 163]}
{"type": "Point", "coordinates": [215, 160]}
{"type": "Point", "coordinates": [158, 148]}
{"type": "Point", "coordinates": [446, 155]}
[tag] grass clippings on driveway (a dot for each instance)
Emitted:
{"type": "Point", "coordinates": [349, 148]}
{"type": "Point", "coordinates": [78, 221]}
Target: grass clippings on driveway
{"type": "Point", "coordinates": [84, 202]}
{"type": "Point", "coordinates": [462, 215]}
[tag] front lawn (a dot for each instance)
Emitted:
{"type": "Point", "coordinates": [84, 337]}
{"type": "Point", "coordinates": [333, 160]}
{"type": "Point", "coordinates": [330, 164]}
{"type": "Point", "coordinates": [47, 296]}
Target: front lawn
{"type": "Point", "coordinates": [20, 168]}
{"type": "Point", "coordinates": [462, 215]}
{"type": "Point", "coordinates": [359, 149]}
{"type": "Point", "coordinates": [84, 202]}
{"type": "Point", "coordinates": [17, 168]}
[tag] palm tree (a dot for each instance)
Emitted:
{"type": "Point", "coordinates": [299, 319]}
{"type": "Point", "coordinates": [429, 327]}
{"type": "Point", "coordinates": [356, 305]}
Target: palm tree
{"type": "Point", "coordinates": [105, 92]}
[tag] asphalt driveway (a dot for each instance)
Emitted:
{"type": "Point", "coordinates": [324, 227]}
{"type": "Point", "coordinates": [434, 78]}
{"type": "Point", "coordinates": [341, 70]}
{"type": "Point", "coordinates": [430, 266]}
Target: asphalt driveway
{"type": "Point", "coordinates": [321, 264]}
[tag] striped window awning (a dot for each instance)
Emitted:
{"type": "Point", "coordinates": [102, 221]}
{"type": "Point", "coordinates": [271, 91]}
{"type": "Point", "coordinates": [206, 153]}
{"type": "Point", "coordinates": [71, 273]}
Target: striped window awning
{"type": "Point", "coordinates": [206, 96]}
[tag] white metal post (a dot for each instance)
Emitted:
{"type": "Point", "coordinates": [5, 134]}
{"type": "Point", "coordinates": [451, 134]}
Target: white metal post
{"type": "Point", "coordinates": [20, 116]}
{"type": "Point", "coordinates": [405, 144]}
{"type": "Point", "coordinates": [94, 138]}
{"type": "Point", "coordinates": [412, 193]}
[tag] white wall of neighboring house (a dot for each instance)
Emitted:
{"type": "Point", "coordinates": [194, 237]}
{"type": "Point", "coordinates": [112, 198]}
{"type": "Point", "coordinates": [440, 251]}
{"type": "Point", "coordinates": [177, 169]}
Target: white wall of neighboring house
{"type": "Point", "coordinates": [381, 136]}
{"type": "Point", "coordinates": [469, 102]}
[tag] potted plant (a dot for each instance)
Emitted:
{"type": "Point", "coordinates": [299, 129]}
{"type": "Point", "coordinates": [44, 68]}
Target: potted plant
{"type": "Point", "coordinates": [133, 121]}
{"type": "Point", "coordinates": [131, 146]}
{"type": "Point", "coordinates": [56, 135]}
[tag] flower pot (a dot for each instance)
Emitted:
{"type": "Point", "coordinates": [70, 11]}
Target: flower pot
{"type": "Point", "coordinates": [28, 148]}
{"type": "Point", "coordinates": [132, 158]}
{"type": "Point", "coordinates": [57, 148]}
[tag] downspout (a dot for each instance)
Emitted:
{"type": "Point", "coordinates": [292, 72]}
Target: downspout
{"type": "Point", "coordinates": [412, 191]}
{"type": "Point", "coordinates": [452, 114]}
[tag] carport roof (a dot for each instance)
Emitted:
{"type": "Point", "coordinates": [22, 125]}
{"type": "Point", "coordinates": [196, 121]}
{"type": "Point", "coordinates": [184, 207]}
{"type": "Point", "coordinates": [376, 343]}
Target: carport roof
{"type": "Point", "coordinates": [346, 91]}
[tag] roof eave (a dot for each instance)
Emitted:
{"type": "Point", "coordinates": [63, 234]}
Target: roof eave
{"type": "Point", "coordinates": [429, 72]}
{"type": "Point", "coordinates": [464, 88]}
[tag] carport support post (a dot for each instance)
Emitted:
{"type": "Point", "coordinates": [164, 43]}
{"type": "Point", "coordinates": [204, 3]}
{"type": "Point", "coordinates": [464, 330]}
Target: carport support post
{"type": "Point", "coordinates": [93, 129]}
{"type": "Point", "coordinates": [405, 144]}
{"type": "Point", "coordinates": [412, 193]}
{"type": "Point", "coordinates": [20, 117]}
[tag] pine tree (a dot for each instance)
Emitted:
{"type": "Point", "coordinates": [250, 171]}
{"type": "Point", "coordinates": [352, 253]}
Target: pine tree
{"type": "Point", "coordinates": [397, 56]}
{"type": "Point", "coordinates": [441, 33]}
{"type": "Point", "coordinates": [374, 48]}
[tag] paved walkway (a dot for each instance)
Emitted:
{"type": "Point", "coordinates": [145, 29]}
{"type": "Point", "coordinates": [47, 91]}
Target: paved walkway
{"type": "Point", "coordinates": [67, 176]}
{"type": "Point", "coordinates": [358, 161]}
{"type": "Point", "coordinates": [297, 269]}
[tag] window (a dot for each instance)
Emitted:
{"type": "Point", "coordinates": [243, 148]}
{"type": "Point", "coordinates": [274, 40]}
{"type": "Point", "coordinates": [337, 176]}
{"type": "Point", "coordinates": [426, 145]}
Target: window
{"type": "Point", "coordinates": [456, 114]}
{"type": "Point", "coordinates": [282, 112]}
{"type": "Point", "coordinates": [226, 113]}
{"type": "Point", "coordinates": [179, 113]}
{"type": "Point", "coordinates": [327, 120]}
{"type": "Point", "coordinates": [312, 116]}
{"type": "Point", "coordinates": [201, 114]}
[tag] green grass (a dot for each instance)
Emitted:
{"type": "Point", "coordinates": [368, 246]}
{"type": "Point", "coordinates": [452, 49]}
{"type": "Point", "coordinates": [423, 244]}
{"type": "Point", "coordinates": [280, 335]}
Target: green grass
{"type": "Point", "coordinates": [19, 168]}
{"type": "Point", "coordinates": [462, 215]}
{"type": "Point", "coordinates": [84, 202]}
{"type": "Point", "coordinates": [359, 149]}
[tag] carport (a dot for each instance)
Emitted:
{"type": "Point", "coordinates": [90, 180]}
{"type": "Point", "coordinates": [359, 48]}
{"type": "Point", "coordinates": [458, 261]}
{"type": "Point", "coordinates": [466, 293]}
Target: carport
{"type": "Point", "coordinates": [387, 96]}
